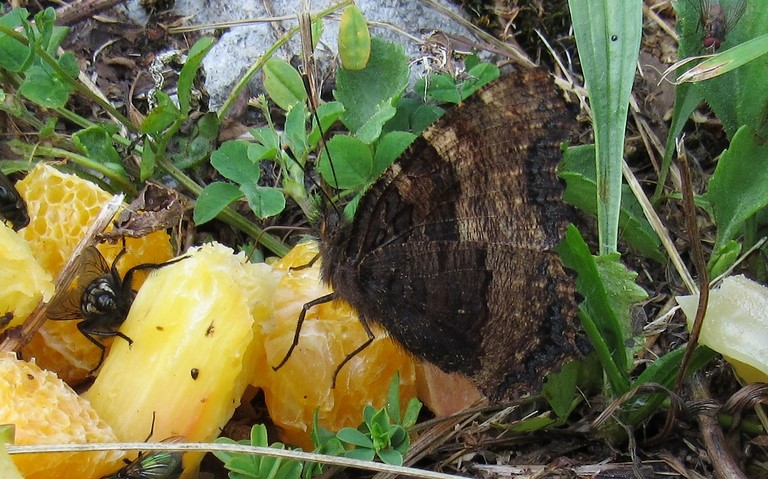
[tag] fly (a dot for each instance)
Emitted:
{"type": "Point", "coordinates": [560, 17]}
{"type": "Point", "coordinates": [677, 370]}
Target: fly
{"type": "Point", "coordinates": [100, 298]}
{"type": "Point", "coordinates": [153, 465]}
{"type": "Point", "coordinates": [12, 206]}
{"type": "Point", "coordinates": [717, 20]}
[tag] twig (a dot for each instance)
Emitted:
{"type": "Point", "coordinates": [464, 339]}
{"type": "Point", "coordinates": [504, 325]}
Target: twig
{"type": "Point", "coordinates": [723, 463]}
{"type": "Point", "coordinates": [698, 259]}
{"type": "Point", "coordinates": [82, 9]}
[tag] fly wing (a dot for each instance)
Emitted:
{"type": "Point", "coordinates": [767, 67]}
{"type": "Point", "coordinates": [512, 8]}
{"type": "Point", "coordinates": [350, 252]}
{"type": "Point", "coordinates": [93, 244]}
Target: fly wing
{"type": "Point", "coordinates": [66, 303]}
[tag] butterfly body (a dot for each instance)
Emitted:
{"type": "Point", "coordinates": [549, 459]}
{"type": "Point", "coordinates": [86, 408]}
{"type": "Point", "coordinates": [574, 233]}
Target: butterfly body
{"type": "Point", "coordinates": [450, 250]}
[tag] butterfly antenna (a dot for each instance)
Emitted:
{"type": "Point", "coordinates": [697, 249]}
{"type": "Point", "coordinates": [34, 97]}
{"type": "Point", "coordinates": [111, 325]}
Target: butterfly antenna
{"type": "Point", "coordinates": [310, 83]}
{"type": "Point", "coordinates": [268, 229]}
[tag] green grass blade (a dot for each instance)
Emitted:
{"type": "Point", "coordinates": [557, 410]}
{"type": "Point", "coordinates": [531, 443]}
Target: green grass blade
{"type": "Point", "coordinates": [608, 37]}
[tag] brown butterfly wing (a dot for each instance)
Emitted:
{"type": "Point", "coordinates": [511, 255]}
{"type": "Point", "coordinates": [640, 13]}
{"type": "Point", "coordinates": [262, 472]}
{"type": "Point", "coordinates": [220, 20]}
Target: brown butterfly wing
{"type": "Point", "coordinates": [449, 250]}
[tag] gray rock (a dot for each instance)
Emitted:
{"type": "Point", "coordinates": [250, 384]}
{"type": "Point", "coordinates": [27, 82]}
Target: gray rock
{"type": "Point", "coordinates": [241, 46]}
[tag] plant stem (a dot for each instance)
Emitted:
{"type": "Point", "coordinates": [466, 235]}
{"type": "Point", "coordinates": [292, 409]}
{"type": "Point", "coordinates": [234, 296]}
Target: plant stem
{"type": "Point", "coordinates": [115, 179]}
{"type": "Point", "coordinates": [227, 215]}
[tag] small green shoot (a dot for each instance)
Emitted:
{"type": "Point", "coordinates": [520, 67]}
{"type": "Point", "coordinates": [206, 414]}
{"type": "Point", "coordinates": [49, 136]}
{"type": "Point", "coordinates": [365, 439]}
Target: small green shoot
{"type": "Point", "coordinates": [249, 466]}
{"type": "Point", "coordinates": [382, 434]}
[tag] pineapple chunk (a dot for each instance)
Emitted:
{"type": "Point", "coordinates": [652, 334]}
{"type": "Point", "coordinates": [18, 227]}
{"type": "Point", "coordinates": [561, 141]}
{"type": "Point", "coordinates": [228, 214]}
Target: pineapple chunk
{"type": "Point", "coordinates": [46, 411]}
{"type": "Point", "coordinates": [193, 349]}
{"type": "Point", "coordinates": [8, 469]}
{"type": "Point", "coordinates": [24, 281]}
{"type": "Point", "coordinates": [735, 325]}
{"type": "Point", "coordinates": [330, 332]}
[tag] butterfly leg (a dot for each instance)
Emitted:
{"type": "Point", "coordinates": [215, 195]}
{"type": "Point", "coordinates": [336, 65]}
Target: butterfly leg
{"type": "Point", "coordinates": [307, 306]}
{"type": "Point", "coordinates": [354, 353]}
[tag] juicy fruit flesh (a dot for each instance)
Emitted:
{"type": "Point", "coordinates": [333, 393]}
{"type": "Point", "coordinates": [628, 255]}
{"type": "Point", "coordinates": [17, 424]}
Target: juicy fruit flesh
{"type": "Point", "coordinates": [330, 332]}
{"type": "Point", "coordinates": [46, 411]}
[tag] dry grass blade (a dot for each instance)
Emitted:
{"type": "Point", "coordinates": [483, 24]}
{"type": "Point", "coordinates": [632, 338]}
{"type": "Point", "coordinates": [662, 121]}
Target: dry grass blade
{"type": "Point", "coordinates": [698, 257]}
{"type": "Point", "coordinates": [236, 448]}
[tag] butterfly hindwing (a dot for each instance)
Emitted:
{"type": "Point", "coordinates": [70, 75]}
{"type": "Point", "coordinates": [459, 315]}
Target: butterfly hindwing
{"type": "Point", "coordinates": [449, 250]}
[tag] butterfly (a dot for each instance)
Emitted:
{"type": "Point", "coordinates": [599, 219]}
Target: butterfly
{"type": "Point", "coordinates": [450, 251]}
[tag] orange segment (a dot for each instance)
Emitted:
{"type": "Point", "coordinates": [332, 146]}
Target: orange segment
{"type": "Point", "coordinates": [330, 332]}
{"type": "Point", "coordinates": [46, 411]}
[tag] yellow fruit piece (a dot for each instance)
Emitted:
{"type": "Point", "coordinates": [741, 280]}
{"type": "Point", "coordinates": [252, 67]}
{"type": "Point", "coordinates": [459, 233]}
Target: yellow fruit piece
{"type": "Point", "coordinates": [8, 469]}
{"type": "Point", "coordinates": [46, 411]}
{"type": "Point", "coordinates": [193, 349]}
{"type": "Point", "coordinates": [24, 282]}
{"type": "Point", "coordinates": [61, 208]}
{"type": "Point", "coordinates": [330, 332]}
{"type": "Point", "coordinates": [735, 325]}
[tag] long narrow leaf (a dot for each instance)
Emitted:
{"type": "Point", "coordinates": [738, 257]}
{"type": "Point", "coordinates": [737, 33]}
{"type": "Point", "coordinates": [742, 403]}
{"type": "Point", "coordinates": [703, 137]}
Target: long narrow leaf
{"type": "Point", "coordinates": [608, 37]}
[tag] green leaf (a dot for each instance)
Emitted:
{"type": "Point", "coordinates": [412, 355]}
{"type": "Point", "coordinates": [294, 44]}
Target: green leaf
{"type": "Point", "coordinates": [96, 143]}
{"type": "Point", "coordinates": [388, 149]}
{"type": "Point", "coordinates": [561, 389]}
{"type": "Point", "coordinates": [369, 95]}
{"type": "Point", "coordinates": [259, 435]}
{"type": "Point", "coordinates": [148, 160]}
{"type": "Point", "coordinates": [295, 136]}
{"type": "Point", "coordinates": [411, 413]}
{"type": "Point", "coordinates": [283, 84]}
{"type": "Point", "coordinates": [363, 454]}
{"type": "Point", "coordinates": [737, 189]}
{"type": "Point", "coordinates": [598, 318]}
{"type": "Point", "coordinates": [620, 286]}
{"type": "Point", "coordinates": [46, 88]}
{"type": "Point", "coordinates": [231, 160]}
{"type": "Point", "coordinates": [14, 56]}
{"type": "Point", "coordinates": [578, 171]}
{"type": "Point", "coordinates": [328, 113]}
{"type": "Point", "coordinates": [479, 76]}
{"type": "Point", "coordinates": [424, 117]}
{"type": "Point", "coordinates": [352, 163]}
{"type": "Point", "coordinates": [264, 201]}
{"type": "Point", "coordinates": [189, 71]}
{"type": "Point", "coordinates": [266, 136]}
{"type": "Point", "coordinates": [162, 116]}
{"type": "Point", "coordinates": [664, 371]}
{"type": "Point", "coordinates": [68, 63]}
{"type": "Point", "coordinates": [608, 38]}
{"type": "Point", "coordinates": [723, 259]}
{"type": "Point", "coordinates": [390, 456]}
{"type": "Point", "coordinates": [354, 39]}
{"type": "Point", "coordinates": [354, 437]}
{"type": "Point", "coordinates": [442, 88]}
{"type": "Point", "coordinates": [257, 152]}
{"type": "Point", "coordinates": [393, 398]}
{"type": "Point", "coordinates": [214, 198]}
